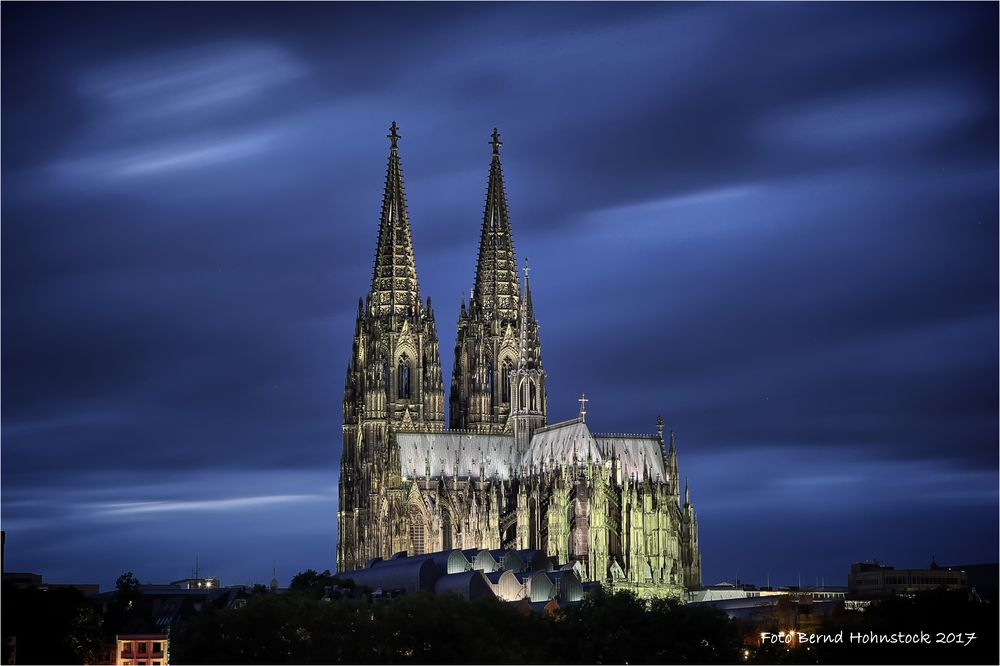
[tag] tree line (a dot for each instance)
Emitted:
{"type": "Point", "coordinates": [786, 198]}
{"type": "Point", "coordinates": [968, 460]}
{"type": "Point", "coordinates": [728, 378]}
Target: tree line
{"type": "Point", "coordinates": [307, 626]}
{"type": "Point", "coordinates": [321, 620]}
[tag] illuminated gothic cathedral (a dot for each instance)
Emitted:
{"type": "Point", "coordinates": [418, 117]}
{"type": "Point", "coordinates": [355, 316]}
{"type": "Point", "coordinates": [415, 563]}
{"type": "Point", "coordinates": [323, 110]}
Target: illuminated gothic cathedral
{"type": "Point", "coordinates": [499, 475]}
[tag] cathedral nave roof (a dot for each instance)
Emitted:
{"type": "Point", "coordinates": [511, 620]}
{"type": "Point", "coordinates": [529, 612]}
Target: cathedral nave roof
{"type": "Point", "coordinates": [448, 452]}
{"type": "Point", "coordinates": [462, 453]}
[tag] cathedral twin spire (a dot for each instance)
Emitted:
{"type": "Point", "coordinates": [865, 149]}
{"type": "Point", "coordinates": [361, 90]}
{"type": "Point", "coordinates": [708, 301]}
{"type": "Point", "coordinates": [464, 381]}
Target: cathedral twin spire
{"type": "Point", "coordinates": [394, 279]}
{"type": "Point", "coordinates": [395, 291]}
{"type": "Point", "coordinates": [497, 335]}
{"type": "Point", "coordinates": [496, 292]}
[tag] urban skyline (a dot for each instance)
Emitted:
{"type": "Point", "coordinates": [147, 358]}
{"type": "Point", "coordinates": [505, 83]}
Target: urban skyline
{"type": "Point", "coordinates": [774, 225]}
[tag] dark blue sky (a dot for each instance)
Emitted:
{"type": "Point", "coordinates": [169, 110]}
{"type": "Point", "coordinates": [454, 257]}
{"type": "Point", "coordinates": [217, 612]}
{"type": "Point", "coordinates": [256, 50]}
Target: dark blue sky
{"type": "Point", "coordinates": [774, 224]}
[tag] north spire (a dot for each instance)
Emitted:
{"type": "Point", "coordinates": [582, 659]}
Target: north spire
{"type": "Point", "coordinates": [496, 292]}
{"type": "Point", "coordinates": [394, 289]}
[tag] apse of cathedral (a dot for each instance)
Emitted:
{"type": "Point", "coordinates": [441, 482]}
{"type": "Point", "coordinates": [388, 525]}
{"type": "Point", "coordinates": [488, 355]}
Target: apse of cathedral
{"type": "Point", "coordinates": [498, 475]}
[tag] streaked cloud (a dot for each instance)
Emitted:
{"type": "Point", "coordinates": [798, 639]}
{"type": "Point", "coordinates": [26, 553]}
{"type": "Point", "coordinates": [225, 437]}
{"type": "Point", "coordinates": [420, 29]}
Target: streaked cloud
{"type": "Point", "coordinates": [179, 156]}
{"type": "Point", "coordinates": [229, 504]}
{"type": "Point", "coordinates": [190, 81]}
{"type": "Point", "coordinates": [791, 257]}
{"type": "Point", "coordinates": [871, 120]}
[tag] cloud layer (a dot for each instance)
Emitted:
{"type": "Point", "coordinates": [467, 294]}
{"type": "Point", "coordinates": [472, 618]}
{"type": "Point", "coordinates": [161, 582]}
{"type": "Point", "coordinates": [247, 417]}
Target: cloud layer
{"type": "Point", "coordinates": [774, 224]}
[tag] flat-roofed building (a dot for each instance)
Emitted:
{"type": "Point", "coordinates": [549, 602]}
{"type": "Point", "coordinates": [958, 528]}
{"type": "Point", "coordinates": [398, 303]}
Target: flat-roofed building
{"type": "Point", "coordinates": [872, 579]}
{"type": "Point", "coordinates": [142, 649]}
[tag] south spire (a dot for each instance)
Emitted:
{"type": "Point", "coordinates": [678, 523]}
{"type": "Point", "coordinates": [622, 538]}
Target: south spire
{"type": "Point", "coordinates": [496, 292]}
{"type": "Point", "coordinates": [487, 349]}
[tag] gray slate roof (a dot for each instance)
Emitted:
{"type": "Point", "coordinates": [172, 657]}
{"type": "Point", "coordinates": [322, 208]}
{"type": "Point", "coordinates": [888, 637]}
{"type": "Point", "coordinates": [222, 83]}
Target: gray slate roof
{"type": "Point", "coordinates": [462, 452]}
{"type": "Point", "coordinates": [448, 451]}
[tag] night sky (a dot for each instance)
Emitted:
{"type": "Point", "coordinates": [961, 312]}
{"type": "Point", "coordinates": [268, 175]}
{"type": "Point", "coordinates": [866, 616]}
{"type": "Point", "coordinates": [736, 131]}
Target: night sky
{"type": "Point", "coordinates": [774, 224]}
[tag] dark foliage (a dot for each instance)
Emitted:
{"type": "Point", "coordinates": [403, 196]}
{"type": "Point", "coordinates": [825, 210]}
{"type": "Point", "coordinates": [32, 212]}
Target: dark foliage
{"type": "Point", "coordinates": [301, 628]}
{"type": "Point", "coordinates": [127, 585]}
{"type": "Point", "coordinates": [317, 585]}
{"type": "Point", "coordinates": [620, 629]}
{"type": "Point", "coordinates": [50, 626]}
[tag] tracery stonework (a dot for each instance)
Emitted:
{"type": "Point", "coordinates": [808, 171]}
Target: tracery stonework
{"type": "Point", "coordinates": [499, 476]}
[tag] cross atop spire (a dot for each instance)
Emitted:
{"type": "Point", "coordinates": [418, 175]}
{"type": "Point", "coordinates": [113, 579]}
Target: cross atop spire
{"type": "Point", "coordinates": [393, 134]}
{"type": "Point", "coordinates": [583, 400]}
{"type": "Point", "coordinates": [496, 142]}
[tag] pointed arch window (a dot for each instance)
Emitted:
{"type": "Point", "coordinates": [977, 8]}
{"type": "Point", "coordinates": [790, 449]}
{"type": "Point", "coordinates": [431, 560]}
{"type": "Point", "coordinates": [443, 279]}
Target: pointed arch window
{"type": "Point", "coordinates": [385, 375]}
{"type": "Point", "coordinates": [532, 526]}
{"type": "Point", "coordinates": [489, 382]}
{"type": "Point", "coordinates": [533, 396]}
{"type": "Point", "coordinates": [505, 368]}
{"type": "Point", "coordinates": [446, 530]}
{"type": "Point", "coordinates": [403, 380]}
{"type": "Point", "coordinates": [418, 532]}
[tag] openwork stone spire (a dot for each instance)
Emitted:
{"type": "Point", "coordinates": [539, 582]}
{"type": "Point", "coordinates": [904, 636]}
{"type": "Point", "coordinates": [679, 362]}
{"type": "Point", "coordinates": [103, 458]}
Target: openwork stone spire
{"type": "Point", "coordinates": [394, 279]}
{"type": "Point", "coordinates": [496, 292]}
{"type": "Point", "coordinates": [530, 345]}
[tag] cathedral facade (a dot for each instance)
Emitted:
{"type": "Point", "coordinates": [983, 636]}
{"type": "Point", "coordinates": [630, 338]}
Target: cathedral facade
{"type": "Point", "coordinates": [497, 475]}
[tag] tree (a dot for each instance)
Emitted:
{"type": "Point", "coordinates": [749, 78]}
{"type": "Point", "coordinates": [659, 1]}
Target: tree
{"type": "Point", "coordinates": [316, 584]}
{"type": "Point", "coordinates": [621, 628]}
{"type": "Point", "coordinates": [86, 635]}
{"type": "Point", "coordinates": [127, 583]}
{"type": "Point", "coordinates": [51, 627]}
{"type": "Point", "coordinates": [302, 627]}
